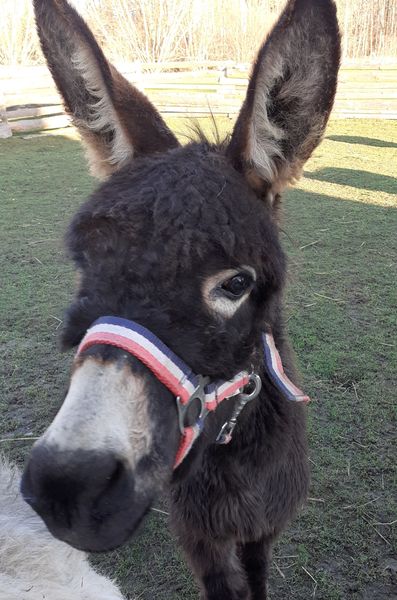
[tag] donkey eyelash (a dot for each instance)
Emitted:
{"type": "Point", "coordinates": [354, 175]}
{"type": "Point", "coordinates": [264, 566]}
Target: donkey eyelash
{"type": "Point", "coordinates": [214, 283]}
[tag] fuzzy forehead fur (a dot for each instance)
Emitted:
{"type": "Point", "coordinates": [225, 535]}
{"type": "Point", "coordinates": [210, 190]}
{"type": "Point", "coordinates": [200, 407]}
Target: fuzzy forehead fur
{"type": "Point", "coordinates": [162, 216]}
{"type": "Point", "coordinates": [149, 237]}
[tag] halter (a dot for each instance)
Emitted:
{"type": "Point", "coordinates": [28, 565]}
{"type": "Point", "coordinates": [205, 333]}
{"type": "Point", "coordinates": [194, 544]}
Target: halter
{"type": "Point", "coordinates": [183, 383]}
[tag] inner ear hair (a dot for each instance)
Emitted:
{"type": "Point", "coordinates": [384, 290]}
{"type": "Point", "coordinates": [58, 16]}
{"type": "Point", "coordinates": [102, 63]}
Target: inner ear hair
{"type": "Point", "coordinates": [107, 143]}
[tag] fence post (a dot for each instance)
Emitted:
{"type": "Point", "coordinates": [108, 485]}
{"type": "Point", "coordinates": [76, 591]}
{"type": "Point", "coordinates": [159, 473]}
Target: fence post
{"type": "Point", "coordinates": [5, 129]}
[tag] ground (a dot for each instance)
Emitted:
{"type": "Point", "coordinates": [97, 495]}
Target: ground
{"type": "Point", "coordinates": [340, 232]}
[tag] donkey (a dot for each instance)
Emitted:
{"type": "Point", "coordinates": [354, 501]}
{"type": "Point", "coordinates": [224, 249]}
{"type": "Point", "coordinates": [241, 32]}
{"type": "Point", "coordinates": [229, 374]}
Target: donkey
{"type": "Point", "coordinates": [183, 380]}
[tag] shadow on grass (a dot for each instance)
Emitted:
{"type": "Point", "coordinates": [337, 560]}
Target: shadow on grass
{"type": "Point", "coordinates": [355, 178]}
{"type": "Point", "coordinates": [356, 139]}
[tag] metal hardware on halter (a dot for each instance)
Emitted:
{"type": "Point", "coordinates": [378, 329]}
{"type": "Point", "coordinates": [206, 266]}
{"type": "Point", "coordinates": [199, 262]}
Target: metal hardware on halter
{"type": "Point", "coordinates": [225, 434]}
{"type": "Point", "coordinates": [198, 394]}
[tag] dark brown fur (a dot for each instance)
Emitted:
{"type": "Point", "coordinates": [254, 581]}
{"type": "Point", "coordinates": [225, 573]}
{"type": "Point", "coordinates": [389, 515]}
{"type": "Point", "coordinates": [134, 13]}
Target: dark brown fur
{"type": "Point", "coordinates": [145, 242]}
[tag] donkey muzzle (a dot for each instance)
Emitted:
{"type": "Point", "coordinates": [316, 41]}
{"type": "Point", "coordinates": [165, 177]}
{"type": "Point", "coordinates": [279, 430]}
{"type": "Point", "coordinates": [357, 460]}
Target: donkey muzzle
{"type": "Point", "coordinates": [94, 473]}
{"type": "Point", "coordinates": [89, 500]}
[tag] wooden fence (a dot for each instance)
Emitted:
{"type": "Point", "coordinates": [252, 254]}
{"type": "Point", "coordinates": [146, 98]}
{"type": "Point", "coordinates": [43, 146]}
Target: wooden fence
{"type": "Point", "coordinates": [29, 100]}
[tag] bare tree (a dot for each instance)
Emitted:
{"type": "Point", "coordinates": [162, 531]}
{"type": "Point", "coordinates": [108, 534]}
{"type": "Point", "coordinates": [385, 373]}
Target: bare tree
{"type": "Point", "coordinates": [164, 30]}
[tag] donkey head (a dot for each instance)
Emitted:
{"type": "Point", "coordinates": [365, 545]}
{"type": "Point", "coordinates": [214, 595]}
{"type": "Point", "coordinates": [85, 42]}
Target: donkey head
{"type": "Point", "coordinates": [183, 241]}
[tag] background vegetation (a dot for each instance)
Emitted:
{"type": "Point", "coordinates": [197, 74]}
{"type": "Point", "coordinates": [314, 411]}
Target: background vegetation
{"type": "Point", "coordinates": [167, 30]}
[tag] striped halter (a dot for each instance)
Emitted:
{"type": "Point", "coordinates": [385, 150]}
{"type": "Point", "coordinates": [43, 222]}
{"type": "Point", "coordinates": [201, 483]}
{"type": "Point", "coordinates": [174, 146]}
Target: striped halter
{"type": "Point", "coordinates": [184, 384]}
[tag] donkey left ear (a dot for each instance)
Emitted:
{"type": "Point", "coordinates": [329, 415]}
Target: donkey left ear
{"type": "Point", "coordinates": [116, 121]}
{"type": "Point", "coordinates": [289, 98]}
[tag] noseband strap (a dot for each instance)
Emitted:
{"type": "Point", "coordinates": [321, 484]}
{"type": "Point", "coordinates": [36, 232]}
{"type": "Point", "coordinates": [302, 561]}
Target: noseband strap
{"type": "Point", "coordinates": [179, 378]}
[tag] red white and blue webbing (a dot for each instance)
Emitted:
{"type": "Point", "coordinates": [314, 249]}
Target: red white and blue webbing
{"type": "Point", "coordinates": [177, 376]}
{"type": "Point", "coordinates": [275, 370]}
{"type": "Point", "coordinates": [189, 436]}
{"type": "Point", "coordinates": [148, 348]}
{"type": "Point", "coordinates": [171, 370]}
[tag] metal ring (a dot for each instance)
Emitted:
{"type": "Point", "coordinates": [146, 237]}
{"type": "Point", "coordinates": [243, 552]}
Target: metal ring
{"type": "Point", "coordinates": [198, 394]}
{"type": "Point", "coordinates": [256, 380]}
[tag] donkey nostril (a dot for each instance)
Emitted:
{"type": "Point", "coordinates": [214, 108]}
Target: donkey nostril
{"type": "Point", "coordinates": [117, 482]}
{"type": "Point", "coordinates": [117, 474]}
{"type": "Point", "coordinates": [117, 486]}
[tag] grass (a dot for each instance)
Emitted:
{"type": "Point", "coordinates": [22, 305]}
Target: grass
{"type": "Point", "coordinates": [340, 232]}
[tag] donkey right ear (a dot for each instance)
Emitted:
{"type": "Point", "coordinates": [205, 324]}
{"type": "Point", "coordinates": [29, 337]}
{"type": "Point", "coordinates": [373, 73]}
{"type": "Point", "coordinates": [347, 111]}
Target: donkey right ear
{"type": "Point", "coordinates": [289, 97]}
{"type": "Point", "coordinates": [115, 119]}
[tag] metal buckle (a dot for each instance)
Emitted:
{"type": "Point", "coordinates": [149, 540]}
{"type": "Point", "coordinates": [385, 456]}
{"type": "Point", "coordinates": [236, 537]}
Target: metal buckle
{"type": "Point", "coordinates": [198, 394]}
{"type": "Point", "coordinates": [225, 434]}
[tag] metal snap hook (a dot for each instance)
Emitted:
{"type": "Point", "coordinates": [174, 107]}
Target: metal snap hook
{"type": "Point", "coordinates": [198, 394]}
{"type": "Point", "coordinates": [253, 388]}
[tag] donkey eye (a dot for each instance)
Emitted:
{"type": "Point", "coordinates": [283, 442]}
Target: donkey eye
{"type": "Point", "coordinates": [236, 286]}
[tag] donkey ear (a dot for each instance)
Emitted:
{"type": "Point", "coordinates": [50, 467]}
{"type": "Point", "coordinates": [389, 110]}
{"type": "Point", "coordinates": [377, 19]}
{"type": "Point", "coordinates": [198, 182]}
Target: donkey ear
{"type": "Point", "coordinates": [289, 98]}
{"type": "Point", "coordinates": [116, 121]}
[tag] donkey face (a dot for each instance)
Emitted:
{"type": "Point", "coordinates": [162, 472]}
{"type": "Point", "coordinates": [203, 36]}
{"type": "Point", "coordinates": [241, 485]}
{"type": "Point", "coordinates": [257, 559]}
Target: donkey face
{"type": "Point", "coordinates": [182, 240]}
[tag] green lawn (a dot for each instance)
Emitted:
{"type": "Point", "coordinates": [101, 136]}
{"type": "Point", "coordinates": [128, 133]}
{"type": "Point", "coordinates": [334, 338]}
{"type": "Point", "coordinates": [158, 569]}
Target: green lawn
{"type": "Point", "coordinates": [340, 231]}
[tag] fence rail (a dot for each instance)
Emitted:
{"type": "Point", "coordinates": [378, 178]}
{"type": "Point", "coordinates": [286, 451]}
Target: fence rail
{"type": "Point", "coordinates": [29, 100]}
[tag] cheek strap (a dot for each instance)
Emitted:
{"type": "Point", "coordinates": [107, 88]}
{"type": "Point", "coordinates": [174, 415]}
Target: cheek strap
{"type": "Point", "coordinates": [275, 370]}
